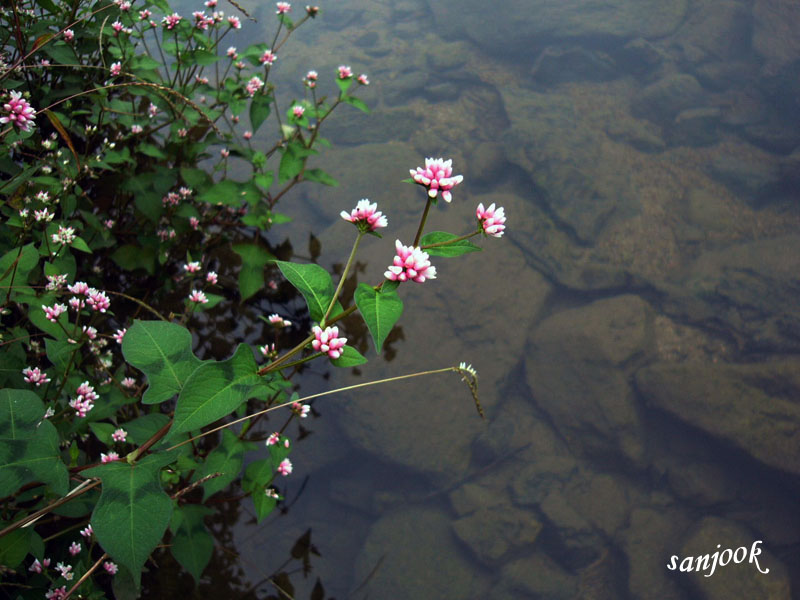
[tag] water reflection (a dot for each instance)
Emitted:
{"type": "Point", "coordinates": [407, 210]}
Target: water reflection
{"type": "Point", "coordinates": [636, 331]}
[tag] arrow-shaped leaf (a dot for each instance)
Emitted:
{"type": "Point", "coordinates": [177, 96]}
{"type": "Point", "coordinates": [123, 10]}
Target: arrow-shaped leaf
{"type": "Point", "coordinates": [133, 511]}
{"type": "Point", "coordinates": [381, 310]}
{"type": "Point", "coordinates": [163, 351]}
{"type": "Point", "coordinates": [314, 283]}
{"type": "Point", "coordinates": [215, 390]}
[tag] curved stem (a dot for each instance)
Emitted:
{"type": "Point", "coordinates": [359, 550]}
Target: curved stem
{"type": "Point", "coordinates": [422, 222]}
{"type": "Point", "coordinates": [312, 396]}
{"type": "Point", "coordinates": [342, 279]}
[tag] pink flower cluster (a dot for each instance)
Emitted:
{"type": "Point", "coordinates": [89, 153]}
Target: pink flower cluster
{"type": "Point", "coordinates": [38, 567]}
{"type": "Point", "coordinates": [278, 321]}
{"type": "Point", "coordinates": [301, 410]}
{"type": "Point", "coordinates": [171, 21]}
{"type": "Point", "coordinates": [268, 57]}
{"type": "Point", "coordinates": [437, 175]}
{"type": "Point", "coordinates": [410, 264]}
{"type": "Point", "coordinates": [20, 112]}
{"type": "Point", "coordinates": [492, 219]}
{"type": "Point", "coordinates": [254, 85]}
{"type": "Point", "coordinates": [198, 297]}
{"type": "Point", "coordinates": [345, 72]}
{"type": "Point", "coordinates": [52, 312]}
{"type": "Point", "coordinates": [84, 400]}
{"type": "Point", "coordinates": [366, 216]}
{"type": "Point", "coordinates": [328, 342]}
{"type": "Point", "coordinates": [110, 457]}
{"type": "Point", "coordinates": [110, 567]}
{"type": "Point", "coordinates": [285, 467]}
{"type": "Point", "coordinates": [35, 376]}
{"type": "Point", "coordinates": [283, 8]}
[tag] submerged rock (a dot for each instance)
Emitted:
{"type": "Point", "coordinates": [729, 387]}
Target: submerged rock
{"type": "Point", "coordinates": [755, 181]}
{"type": "Point", "coordinates": [663, 100]}
{"type": "Point", "coordinates": [536, 576]}
{"type": "Point", "coordinates": [560, 65]}
{"type": "Point", "coordinates": [742, 580]}
{"type": "Point", "coordinates": [776, 23]}
{"type": "Point", "coordinates": [514, 24]}
{"type": "Point", "coordinates": [754, 407]}
{"type": "Point", "coordinates": [412, 553]}
{"type": "Point", "coordinates": [696, 127]}
{"type": "Point", "coordinates": [578, 367]}
{"type": "Point", "coordinates": [715, 30]}
{"type": "Point", "coordinates": [653, 533]}
{"type": "Point", "coordinates": [748, 290]}
{"type": "Point", "coordinates": [492, 533]}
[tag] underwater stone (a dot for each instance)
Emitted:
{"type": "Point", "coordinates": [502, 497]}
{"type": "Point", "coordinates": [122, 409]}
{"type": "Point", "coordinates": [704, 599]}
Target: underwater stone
{"type": "Point", "coordinates": [695, 127]}
{"type": "Point", "coordinates": [536, 576]}
{"type": "Point", "coordinates": [664, 99]}
{"type": "Point", "coordinates": [418, 558]}
{"type": "Point", "coordinates": [754, 406]}
{"type": "Point", "coordinates": [578, 368]}
{"type": "Point", "coordinates": [776, 23]}
{"type": "Point", "coordinates": [514, 25]}
{"type": "Point", "coordinates": [653, 533]}
{"type": "Point", "coordinates": [493, 532]}
{"type": "Point", "coordinates": [744, 580]}
{"type": "Point", "coordinates": [561, 65]}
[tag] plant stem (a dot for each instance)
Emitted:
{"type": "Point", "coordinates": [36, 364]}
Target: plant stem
{"type": "Point", "coordinates": [341, 280]}
{"type": "Point", "coordinates": [85, 576]}
{"type": "Point", "coordinates": [422, 222]}
{"type": "Point", "coordinates": [318, 395]}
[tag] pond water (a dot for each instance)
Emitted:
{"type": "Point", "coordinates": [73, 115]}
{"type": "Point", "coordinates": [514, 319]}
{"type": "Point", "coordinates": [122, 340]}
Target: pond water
{"type": "Point", "coordinates": [636, 332]}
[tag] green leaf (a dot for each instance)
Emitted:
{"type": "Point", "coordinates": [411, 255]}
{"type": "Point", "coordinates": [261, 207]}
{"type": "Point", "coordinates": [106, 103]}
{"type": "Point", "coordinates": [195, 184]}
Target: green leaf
{"type": "Point", "coordinates": [14, 547]}
{"type": "Point", "coordinates": [313, 282]}
{"type": "Point", "coordinates": [131, 257]}
{"type": "Point", "coordinates": [251, 275]}
{"type": "Point", "coordinates": [133, 511]}
{"type": "Point", "coordinates": [450, 250]}
{"type": "Point", "coordinates": [163, 352]}
{"type": "Point", "coordinates": [151, 150]}
{"type": "Point", "coordinates": [263, 504]}
{"type": "Point", "coordinates": [192, 545]}
{"type": "Point", "coordinates": [259, 110]}
{"type": "Point", "coordinates": [344, 85]}
{"type": "Point", "coordinates": [80, 244]}
{"type": "Point", "coordinates": [59, 352]}
{"type": "Point", "coordinates": [264, 180]}
{"type": "Point", "coordinates": [194, 178]}
{"type": "Point", "coordinates": [215, 390]}
{"type": "Point", "coordinates": [227, 192]}
{"type": "Point", "coordinates": [142, 429]}
{"type": "Point", "coordinates": [227, 458]}
{"type": "Point", "coordinates": [13, 271]}
{"type": "Point", "coordinates": [319, 176]}
{"type": "Point", "coordinates": [291, 165]}
{"type": "Point", "coordinates": [103, 431]}
{"type": "Point", "coordinates": [202, 57]}
{"type": "Point", "coordinates": [33, 458]}
{"type": "Point", "coordinates": [258, 474]}
{"type": "Point", "coordinates": [20, 411]}
{"type": "Point", "coordinates": [381, 310]}
{"type": "Point", "coordinates": [350, 358]}
{"type": "Point", "coordinates": [357, 102]}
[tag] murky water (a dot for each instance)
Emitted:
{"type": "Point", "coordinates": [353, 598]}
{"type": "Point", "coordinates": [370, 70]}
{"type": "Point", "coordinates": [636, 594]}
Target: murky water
{"type": "Point", "coordinates": [636, 331]}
